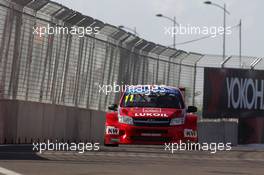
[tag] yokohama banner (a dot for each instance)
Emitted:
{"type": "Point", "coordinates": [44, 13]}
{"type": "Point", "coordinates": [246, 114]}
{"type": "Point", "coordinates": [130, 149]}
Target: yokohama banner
{"type": "Point", "coordinates": [233, 93]}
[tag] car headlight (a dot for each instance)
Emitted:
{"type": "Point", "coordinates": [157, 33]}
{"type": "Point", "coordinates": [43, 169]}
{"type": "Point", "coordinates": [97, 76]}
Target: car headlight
{"type": "Point", "coordinates": [125, 119]}
{"type": "Point", "coordinates": [177, 121]}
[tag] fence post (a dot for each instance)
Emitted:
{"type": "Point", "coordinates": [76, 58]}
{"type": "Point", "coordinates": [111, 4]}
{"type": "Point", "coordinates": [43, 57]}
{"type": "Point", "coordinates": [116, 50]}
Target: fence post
{"type": "Point", "coordinates": [194, 80]}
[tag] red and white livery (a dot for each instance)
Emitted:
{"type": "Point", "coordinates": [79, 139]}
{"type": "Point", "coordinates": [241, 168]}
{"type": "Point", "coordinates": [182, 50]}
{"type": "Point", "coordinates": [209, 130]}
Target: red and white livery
{"type": "Point", "coordinates": [150, 115]}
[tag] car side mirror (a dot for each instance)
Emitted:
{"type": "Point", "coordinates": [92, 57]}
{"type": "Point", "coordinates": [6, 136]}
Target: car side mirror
{"type": "Point", "coordinates": [191, 109]}
{"type": "Point", "coordinates": [113, 107]}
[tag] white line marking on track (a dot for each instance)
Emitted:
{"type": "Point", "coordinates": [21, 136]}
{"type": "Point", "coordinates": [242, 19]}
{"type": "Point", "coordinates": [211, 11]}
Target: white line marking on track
{"type": "Point", "coordinates": [8, 172]}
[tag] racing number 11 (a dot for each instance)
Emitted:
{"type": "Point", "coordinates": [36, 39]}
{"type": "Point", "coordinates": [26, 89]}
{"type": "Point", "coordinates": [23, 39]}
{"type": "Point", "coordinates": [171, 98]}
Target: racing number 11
{"type": "Point", "coordinates": [131, 98]}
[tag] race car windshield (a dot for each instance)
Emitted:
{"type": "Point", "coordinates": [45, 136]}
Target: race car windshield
{"type": "Point", "coordinates": [153, 99]}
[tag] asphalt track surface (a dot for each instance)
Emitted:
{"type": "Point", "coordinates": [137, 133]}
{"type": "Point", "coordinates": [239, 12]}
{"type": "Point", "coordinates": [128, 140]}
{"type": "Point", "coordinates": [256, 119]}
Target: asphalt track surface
{"type": "Point", "coordinates": [131, 159]}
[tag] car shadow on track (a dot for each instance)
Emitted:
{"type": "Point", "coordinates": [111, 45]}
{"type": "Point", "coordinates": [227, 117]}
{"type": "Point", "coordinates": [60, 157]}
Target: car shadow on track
{"type": "Point", "coordinates": [18, 152]}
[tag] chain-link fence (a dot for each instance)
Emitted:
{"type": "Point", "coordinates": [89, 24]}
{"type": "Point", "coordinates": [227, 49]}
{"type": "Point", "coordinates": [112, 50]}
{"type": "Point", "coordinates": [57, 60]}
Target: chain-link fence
{"type": "Point", "coordinates": [67, 69]}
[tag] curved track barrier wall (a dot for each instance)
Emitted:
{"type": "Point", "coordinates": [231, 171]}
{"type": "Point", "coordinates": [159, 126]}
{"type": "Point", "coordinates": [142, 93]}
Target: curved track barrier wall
{"type": "Point", "coordinates": [218, 131]}
{"type": "Point", "coordinates": [25, 122]}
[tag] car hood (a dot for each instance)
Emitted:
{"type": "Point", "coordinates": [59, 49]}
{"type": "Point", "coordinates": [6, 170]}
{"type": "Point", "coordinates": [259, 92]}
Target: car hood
{"type": "Point", "coordinates": [151, 112]}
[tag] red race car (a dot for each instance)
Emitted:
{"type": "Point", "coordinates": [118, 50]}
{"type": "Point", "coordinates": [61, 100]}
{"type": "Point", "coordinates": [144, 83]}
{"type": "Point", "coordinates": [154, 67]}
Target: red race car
{"type": "Point", "coordinates": [150, 115]}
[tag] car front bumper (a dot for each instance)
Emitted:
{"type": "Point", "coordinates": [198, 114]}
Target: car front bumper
{"type": "Point", "coordinates": [129, 134]}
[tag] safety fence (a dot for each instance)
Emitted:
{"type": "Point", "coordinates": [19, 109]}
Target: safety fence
{"type": "Point", "coordinates": [67, 69]}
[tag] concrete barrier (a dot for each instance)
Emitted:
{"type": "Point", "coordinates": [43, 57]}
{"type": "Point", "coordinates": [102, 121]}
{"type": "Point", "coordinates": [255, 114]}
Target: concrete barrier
{"type": "Point", "coordinates": [8, 119]}
{"type": "Point", "coordinates": [1, 122]}
{"type": "Point", "coordinates": [231, 132]}
{"type": "Point", "coordinates": [48, 122]}
{"type": "Point", "coordinates": [84, 125]}
{"type": "Point", "coordinates": [25, 122]}
{"type": "Point", "coordinates": [29, 122]}
{"type": "Point", "coordinates": [216, 131]}
{"type": "Point", "coordinates": [97, 126]}
{"type": "Point", "coordinates": [70, 126]}
{"type": "Point", "coordinates": [59, 123]}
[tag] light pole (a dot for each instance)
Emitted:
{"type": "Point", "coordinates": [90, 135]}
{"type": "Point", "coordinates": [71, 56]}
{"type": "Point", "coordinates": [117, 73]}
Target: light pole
{"type": "Point", "coordinates": [224, 25]}
{"type": "Point", "coordinates": [240, 43]}
{"type": "Point", "coordinates": [134, 30]}
{"type": "Point", "coordinates": [174, 26]}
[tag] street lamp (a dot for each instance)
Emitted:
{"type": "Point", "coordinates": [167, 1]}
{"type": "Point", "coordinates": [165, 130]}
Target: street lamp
{"type": "Point", "coordinates": [174, 26]}
{"type": "Point", "coordinates": [224, 25]}
{"type": "Point", "coordinates": [134, 30]}
{"type": "Point", "coordinates": [240, 43]}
